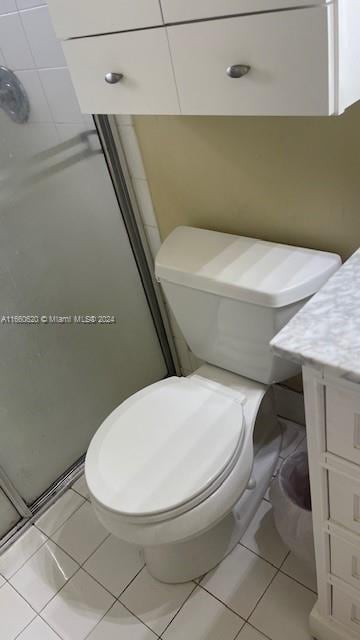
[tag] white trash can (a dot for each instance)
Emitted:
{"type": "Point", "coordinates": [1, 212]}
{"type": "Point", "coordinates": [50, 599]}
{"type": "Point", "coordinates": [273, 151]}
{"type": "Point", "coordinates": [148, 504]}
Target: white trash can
{"type": "Point", "coordinates": [291, 500]}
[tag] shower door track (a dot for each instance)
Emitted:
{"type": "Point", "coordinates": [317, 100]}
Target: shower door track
{"type": "Point", "coordinates": [128, 209]}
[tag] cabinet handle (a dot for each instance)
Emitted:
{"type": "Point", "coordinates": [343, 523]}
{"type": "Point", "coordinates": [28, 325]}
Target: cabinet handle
{"type": "Point", "coordinates": [238, 70]}
{"type": "Point", "coordinates": [113, 78]}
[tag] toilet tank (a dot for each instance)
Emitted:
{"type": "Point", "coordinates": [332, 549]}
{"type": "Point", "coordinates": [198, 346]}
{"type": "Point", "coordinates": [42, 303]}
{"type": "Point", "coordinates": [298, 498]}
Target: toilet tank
{"type": "Point", "coordinates": [231, 294]}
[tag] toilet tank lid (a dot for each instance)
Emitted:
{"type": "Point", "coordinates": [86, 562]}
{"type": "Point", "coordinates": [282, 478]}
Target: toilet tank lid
{"type": "Point", "coordinates": [246, 269]}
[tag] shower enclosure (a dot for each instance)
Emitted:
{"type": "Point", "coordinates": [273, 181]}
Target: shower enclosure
{"type": "Point", "coordinates": [80, 326]}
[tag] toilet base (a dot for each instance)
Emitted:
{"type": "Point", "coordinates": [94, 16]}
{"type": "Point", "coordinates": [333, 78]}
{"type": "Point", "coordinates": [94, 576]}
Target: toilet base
{"type": "Point", "coordinates": [184, 561]}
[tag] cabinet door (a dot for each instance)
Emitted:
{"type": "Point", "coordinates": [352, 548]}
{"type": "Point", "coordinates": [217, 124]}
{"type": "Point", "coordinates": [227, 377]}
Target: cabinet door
{"type": "Point", "coordinates": [288, 53]}
{"type": "Point", "coordinates": [147, 84]}
{"type": "Point", "coordinates": [180, 10]}
{"type": "Point", "coordinates": [73, 18]}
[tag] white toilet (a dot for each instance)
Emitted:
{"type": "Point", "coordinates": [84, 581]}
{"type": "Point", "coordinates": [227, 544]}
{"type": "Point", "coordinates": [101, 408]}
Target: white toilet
{"type": "Point", "coordinates": [180, 467]}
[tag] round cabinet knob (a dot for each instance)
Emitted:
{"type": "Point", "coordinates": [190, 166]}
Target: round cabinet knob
{"type": "Point", "coordinates": [113, 78]}
{"type": "Point", "coordinates": [238, 70]}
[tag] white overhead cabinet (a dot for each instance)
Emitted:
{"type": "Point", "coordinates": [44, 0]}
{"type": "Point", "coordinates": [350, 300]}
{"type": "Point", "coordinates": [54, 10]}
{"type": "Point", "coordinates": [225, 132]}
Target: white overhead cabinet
{"type": "Point", "coordinates": [74, 18]}
{"type": "Point", "coordinates": [212, 57]}
{"type": "Point", "coordinates": [187, 10]}
{"type": "Point", "coordinates": [142, 59]}
{"type": "Point", "coordinates": [284, 58]}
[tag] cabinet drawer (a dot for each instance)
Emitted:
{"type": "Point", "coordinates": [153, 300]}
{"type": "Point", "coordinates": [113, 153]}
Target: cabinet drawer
{"type": "Point", "coordinates": [343, 423]}
{"type": "Point", "coordinates": [346, 609]}
{"type": "Point", "coordinates": [148, 84]}
{"type": "Point", "coordinates": [288, 52]}
{"type": "Point", "coordinates": [179, 11]}
{"type": "Point", "coordinates": [345, 561]}
{"type": "Point", "coordinates": [80, 17]}
{"type": "Point", "coordinates": [344, 498]}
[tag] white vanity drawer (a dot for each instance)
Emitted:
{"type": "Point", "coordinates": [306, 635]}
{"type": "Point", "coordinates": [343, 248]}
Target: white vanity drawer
{"type": "Point", "coordinates": [344, 501]}
{"type": "Point", "coordinates": [345, 561]}
{"type": "Point", "coordinates": [179, 11]}
{"type": "Point", "coordinates": [148, 84]}
{"type": "Point", "coordinates": [343, 423]}
{"type": "Point", "coordinates": [287, 52]}
{"type": "Point", "coordinates": [346, 610]}
{"type": "Point", "coordinates": [84, 17]}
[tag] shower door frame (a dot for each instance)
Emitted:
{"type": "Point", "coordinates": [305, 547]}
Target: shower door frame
{"type": "Point", "coordinates": [129, 211]}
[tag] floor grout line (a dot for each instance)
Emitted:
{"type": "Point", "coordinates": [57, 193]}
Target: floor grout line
{"type": "Point", "coordinates": [258, 630]}
{"type": "Point", "coordinates": [29, 558]}
{"type": "Point", "coordinates": [298, 581]}
{"type": "Point", "coordinates": [117, 599]}
{"type": "Point", "coordinates": [95, 550]}
{"type": "Point", "coordinates": [222, 602]}
{"type": "Point", "coordinates": [262, 557]}
{"type": "Point", "coordinates": [31, 621]}
{"type": "Point", "coordinates": [178, 611]}
{"type": "Point", "coordinates": [130, 583]}
{"type": "Point", "coordinates": [267, 588]}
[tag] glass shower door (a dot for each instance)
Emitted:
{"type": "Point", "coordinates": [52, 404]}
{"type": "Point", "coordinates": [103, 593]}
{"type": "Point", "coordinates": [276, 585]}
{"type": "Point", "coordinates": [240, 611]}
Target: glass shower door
{"type": "Point", "coordinates": [76, 333]}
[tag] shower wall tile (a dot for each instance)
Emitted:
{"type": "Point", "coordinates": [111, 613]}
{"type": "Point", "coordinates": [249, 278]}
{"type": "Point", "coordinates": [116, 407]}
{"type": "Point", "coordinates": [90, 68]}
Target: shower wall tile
{"type": "Point", "coordinates": [60, 94]}
{"type": "Point", "coordinates": [6, 6]}
{"type": "Point", "coordinates": [29, 4]}
{"type": "Point", "coordinates": [29, 47]}
{"type": "Point", "coordinates": [45, 47]}
{"type": "Point", "coordinates": [26, 140]}
{"type": "Point", "coordinates": [14, 45]}
{"type": "Point", "coordinates": [40, 111]}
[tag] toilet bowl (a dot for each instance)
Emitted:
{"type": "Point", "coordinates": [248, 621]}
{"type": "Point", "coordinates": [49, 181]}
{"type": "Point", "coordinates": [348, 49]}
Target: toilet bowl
{"type": "Point", "coordinates": [180, 467]}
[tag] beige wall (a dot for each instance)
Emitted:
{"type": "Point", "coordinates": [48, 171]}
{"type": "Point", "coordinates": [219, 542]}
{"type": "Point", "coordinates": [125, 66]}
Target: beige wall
{"type": "Point", "coordinates": [294, 180]}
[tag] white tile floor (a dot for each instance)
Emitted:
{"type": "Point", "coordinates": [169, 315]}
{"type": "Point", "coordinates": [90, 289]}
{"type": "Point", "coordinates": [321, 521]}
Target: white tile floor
{"type": "Point", "coordinates": [67, 578]}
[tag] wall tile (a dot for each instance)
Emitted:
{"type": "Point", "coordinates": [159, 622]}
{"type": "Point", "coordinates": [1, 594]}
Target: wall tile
{"type": "Point", "coordinates": [29, 4]}
{"type": "Point", "coordinates": [132, 152]}
{"type": "Point", "coordinates": [45, 47]}
{"type": "Point", "coordinates": [143, 198]}
{"type": "Point", "coordinates": [124, 119]}
{"type": "Point", "coordinates": [60, 94]}
{"type": "Point", "coordinates": [39, 108]}
{"type": "Point", "coordinates": [153, 236]}
{"type": "Point", "coordinates": [67, 131]}
{"type": "Point", "coordinates": [14, 45]}
{"type": "Point", "coordinates": [6, 6]}
{"type": "Point", "coordinates": [25, 141]}
{"type": "Point", "coordinates": [184, 355]}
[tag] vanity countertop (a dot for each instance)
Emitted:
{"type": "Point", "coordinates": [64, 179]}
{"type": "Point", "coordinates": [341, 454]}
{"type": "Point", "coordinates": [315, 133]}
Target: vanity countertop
{"type": "Point", "coordinates": [325, 334]}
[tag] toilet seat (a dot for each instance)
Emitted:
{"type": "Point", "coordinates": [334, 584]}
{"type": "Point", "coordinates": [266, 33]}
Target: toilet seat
{"type": "Point", "coordinates": [166, 449]}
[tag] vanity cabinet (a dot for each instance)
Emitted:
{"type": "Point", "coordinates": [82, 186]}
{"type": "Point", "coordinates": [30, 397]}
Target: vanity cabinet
{"type": "Point", "coordinates": [324, 337]}
{"type": "Point", "coordinates": [212, 57]}
{"type": "Point", "coordinates": [332, 422]}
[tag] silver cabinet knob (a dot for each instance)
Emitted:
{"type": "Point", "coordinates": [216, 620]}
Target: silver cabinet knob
{"type": "Point", "coordinates": [238, 70]}
{"type": "Point", "coordinates": [113, 78]}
